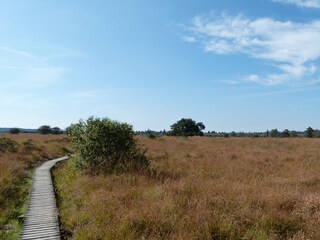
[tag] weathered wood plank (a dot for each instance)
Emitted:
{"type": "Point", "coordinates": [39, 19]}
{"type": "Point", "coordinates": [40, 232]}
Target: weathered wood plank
{"type": "Point", "coordinates": [41, 220]}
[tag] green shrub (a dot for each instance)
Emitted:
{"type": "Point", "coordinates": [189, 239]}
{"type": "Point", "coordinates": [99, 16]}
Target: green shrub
{"type": "Point", "coordinates": [105, 145]}
{"type": "Point", "coordinates": [14, 130]}
{"type": "Point", "coordinates": [29, 146]}
{"type": "Point", "coordinates": [8, 145]}
{"type": "Point", "coordinates": [152, 136]}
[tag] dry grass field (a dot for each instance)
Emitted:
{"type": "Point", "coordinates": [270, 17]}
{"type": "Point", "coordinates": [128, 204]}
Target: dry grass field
{"type": "Point", "coordinates": [19, 155]}
{"type": "Point", "coordinates": [203, 188]}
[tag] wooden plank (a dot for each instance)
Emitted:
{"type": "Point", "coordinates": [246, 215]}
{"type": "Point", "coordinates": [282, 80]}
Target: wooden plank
{"type": "Point", "coordinates": [41, 220]}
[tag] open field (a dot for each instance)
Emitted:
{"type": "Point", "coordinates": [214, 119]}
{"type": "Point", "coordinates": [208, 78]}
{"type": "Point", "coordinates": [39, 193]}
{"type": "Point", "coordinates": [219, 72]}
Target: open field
{"type": "Point", "coordinates": [19, 155]}
{"type": "Point", "coordinates": [205, 188]}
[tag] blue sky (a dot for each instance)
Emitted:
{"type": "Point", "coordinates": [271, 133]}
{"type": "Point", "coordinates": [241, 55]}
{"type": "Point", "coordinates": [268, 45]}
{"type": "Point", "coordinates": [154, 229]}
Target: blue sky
{"type": "Point", "coordinates": [245, 65]}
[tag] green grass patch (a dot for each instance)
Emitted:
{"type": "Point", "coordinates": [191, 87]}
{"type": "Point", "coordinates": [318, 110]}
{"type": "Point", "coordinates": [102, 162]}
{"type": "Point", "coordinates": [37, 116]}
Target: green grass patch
{"type": "Point", "coordinates": [14, 199]}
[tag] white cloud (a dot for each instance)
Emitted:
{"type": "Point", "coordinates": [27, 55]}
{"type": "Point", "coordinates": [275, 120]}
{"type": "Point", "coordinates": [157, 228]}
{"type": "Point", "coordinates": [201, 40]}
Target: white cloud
{"type": "Point", "coordinates": [292, 47]}
{"type": "Point", "coordinates": [189, 39]}
{"type": "Point", "coordinates": [302, 3]}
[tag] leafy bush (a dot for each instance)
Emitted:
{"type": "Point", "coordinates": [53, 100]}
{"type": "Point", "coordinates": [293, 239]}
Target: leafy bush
{"type": "Point", "coordinates": [29, 146]}
{"type": "Point", "coordinates": [105, 145]}
{"type": "Point", "coordinates": [14, 130]}
{"type": "Point", "coordinates": [152, 136]}
{"type": "Point", "coordinates": [8, 145]}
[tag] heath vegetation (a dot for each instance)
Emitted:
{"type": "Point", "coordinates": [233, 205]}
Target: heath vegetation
{"type": "Point", "coordinates": [19, 155]}
{"type": "Point", "coordinates": [199, 188]}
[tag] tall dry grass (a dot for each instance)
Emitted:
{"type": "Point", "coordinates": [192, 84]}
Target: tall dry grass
{"type": "Point", "coordinates": [16, 165]}
{"type": "Point", "coordinates": [203, 188]}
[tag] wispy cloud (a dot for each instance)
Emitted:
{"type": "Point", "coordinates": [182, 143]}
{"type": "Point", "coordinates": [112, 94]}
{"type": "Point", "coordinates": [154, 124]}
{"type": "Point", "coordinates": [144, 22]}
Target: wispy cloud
{"type": "Point", "coordinates": [17, 52]}
{"type": "Point", "coordinates": [291, 47]}
{"type": "Point", "coordinates": [281, 92]}
{"type": "Point", "coordinates": [301, 3]}
{"type": "Point", "coordinates": [229, 81]}
{"type": "Point", "coordinates": [188, 39]}
{"type": "Point", "coordinates": [25, 69]}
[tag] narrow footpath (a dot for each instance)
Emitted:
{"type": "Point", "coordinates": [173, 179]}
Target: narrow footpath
{"type": "Point", "coordinates": [41, 221]}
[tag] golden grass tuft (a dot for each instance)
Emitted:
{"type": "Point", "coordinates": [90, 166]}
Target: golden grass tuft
{"type": "Point", "coordinates": [209, 188]}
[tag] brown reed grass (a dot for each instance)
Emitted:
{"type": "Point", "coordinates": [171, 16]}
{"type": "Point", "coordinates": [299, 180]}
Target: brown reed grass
{"type": "Point", "coordinates": [236, 188]}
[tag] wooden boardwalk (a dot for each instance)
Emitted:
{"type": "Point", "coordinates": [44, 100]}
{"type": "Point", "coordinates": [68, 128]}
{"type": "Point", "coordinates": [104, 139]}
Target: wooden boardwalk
{"type": "Point", "coordinates": [42, 221]}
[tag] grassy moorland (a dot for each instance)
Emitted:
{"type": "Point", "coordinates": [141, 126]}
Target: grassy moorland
{"type": "Point", "coordinates": [19, 155]}
{"type": "Point", "coordinates": [202, 188]}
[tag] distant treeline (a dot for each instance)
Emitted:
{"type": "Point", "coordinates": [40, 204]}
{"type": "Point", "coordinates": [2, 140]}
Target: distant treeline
{"type": "Point", "coordinates": [44, 129]}
{"type": "Point", "coordinates": [273, 133]}
{"type": "Point", "coordinates": [22, 130]}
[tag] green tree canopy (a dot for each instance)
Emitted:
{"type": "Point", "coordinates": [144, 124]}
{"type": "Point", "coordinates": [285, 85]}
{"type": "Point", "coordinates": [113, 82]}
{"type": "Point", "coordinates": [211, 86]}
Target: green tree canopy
{"type": "Point", "coordinates": [293, 134]}
{"type": "Point", "coordinates": [187, 127]}
{"type": "Point", "coordinates": [309, 132]}
{"type": "Point", "coordinates": [56, 130]}
{"type": "Point", "coordinates": [285, 133]}
{"type": "Point", "coordinates": [44, 129]}
{"type": "Point", "coordinates": [14, 130]}
{"type": "Point", "coordinates": [105, 145]}
{"type": "Point", "coordinates": [274, 133]}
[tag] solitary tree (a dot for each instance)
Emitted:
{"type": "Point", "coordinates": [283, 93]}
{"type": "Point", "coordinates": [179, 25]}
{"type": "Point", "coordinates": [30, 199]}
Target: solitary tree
{"type": "Point", "coordinates": [309, 132]}
{"type": "Point", "coordinates": [14, 130]}
{"type": "Point", "coordinates": [285, 133]}
{"type": "Point", "coordinates": [56, 130]}
{"type": "Point", "coordinates": [45, 129]}
{"type": "Point", "coordinates": [187, 127]}
{"type": "Point", "coordinates": [274, 133]}
{"type": "Point", "coordinates": [233, 134]}
{"type": "Point", "coordinates": [267, 133]}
